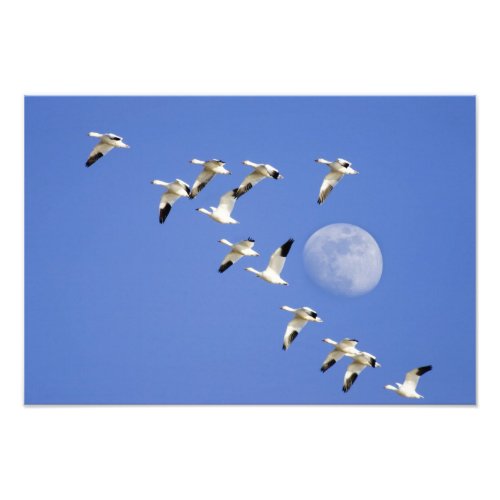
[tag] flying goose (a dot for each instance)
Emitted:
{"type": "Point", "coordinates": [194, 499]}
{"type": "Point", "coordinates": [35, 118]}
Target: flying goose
{"type": "Point", "coordinates": [408, 388]}
{"type": "Point", "coordinates": [302, 316]}
{"type": "Point", "coordinates": [210, 168]}
{"type": "Point", "coordinates": [262, 170]}
{"type": "Point", "coordinates": [107, 143]}
{"type": "Point", "coordinates": [359, 363]}
{"type": "Point", "coordinates": [338, 168]}
{"type": "Point", "coordinates": [346, 347]}
{"type": "Point", "coordinates": [222, 213]}
{"type": "Point", "coordinates": [238, 250]}
{"type": "Point", "coordinates": [271, 273]}
{"type": "Point", "coordinates": [175, 190]}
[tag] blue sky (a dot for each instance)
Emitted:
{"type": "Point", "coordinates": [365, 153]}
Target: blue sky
{"type": "Point", "coordinates": [121, 309]}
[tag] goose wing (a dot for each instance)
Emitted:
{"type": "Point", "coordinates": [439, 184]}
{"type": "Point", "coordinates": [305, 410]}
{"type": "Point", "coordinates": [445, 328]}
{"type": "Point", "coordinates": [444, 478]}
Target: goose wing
{"type": "Point", "coordinates": [249, 182]}
{"type": "Point", "coordinates": [229, 260]}
{"type": "Point", "coordinates": [329, 182]}
{"type": "Point", "coordinates": [348, 343]}
{"type": "Point", "coordinates": [413, 376]}
{"type": "Point", "coordinates": [331, 359]}
{"type": "Point", "coordinates": [204, 177]}
{"type": "Point", "coordinates": [98, 152]}
{"type": "Point", "coordinates": [353, 370]}
{"type": "Point", "coordinates": [249, 243]}
{"type": "Point", "coordinates": [292, 330]}
{"type": "Point", "coordinates": [167, 200]}
{"type": "Point", "coordinates": [278, 258]}
{"type": "Point", "coordinates": [310, 312]}
{"type": "Point", "coordinates": [226, 202]}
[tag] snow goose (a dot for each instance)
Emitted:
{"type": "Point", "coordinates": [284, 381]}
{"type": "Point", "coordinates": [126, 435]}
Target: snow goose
{"type": "Point", "coordinates": [346, 347]}
{"type": "Point", "coordinates": [175, 190]}
{"type": "Point", "coordinates": [338, 168]}
{"type": "Point", "coordinates": [222, 213]}
{"type": "Point", "coordinates": [302, 316]}
{"type": "Point", "coordinates": [238, 250]}
{"type": "Point", "coordinates": [359, 363]}
{"type": "Point", "coordinates": [262, 170]}
{"type": "Point", "coordinates": [408, 388]}
{"type": "Point", "coordinates": [210, 169]}
{"type": "Point", "coordinates": [273, 270]}
{"type": "Point", "coordinates": [107, 143]}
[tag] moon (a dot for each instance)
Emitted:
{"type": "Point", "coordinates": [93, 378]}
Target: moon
{"type": "Point", "coordinates": [343, 259]}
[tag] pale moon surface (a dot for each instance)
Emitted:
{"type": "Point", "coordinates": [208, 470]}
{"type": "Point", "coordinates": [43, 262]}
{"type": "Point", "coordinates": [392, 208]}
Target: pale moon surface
{"type": "Point", "coordinates": [343, 259]}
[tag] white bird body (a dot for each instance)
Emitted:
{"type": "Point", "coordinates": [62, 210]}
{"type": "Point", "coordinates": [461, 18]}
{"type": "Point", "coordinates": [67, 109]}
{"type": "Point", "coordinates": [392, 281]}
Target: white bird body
{"type": "Point", "coordinates": [338, 169]}
{"type": "Point", "coordinates": [359, 363]}
{"type": "Point", "coordinates": [360, 360]}
{"type": "Point", "coordinates": [107, 143]}
{"type": "Point", "coordinates": [300, 319]}
{"type": "Point", "coordinates": [175, 190]}
{"type": "Point", "coordinates": [409, 386]}
{"type": "Point", "coordinates": [222, 213]}
{"type": "Point", "coordinates": [210, 169]}
{"type": "Point", "coordinates": [276, 263]}
{"type": "Point", "coordinates": [238, 250]}
{"type": "Point", "coordinates": [262, 170]}
{"type": "Point", "coordinates": [346, 347]}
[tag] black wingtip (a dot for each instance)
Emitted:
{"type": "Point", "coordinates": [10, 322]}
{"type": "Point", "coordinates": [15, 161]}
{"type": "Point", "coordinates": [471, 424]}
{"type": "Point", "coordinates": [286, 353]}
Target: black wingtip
{"type": "Point", "coordinates": [285, 248]}
{"type": "Point", "coordinates": [225, 266]}
{"type": "Point", "coordinates": [238, 192]}
{"type": "Point", "coordinates": [251, 239]}
{"type": "Point", "coordinates": [328, 365]}
{"type": "Point", "coordinates": [349, 382]}
{"type": "Point", "coordinates": [424, 369]}
{"type": "Point", "coordinates": [164, 213]}
{"type": "Point", "coordinates": [93, 159]}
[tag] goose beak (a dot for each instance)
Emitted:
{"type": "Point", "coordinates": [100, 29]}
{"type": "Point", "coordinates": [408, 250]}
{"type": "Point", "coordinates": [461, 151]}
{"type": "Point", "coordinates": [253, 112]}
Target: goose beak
{"type": "Point", "coordinates": [319, 320]}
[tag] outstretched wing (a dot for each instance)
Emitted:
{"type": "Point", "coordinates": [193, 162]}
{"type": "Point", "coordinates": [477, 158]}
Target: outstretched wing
{"type": "Point", "coordinates": [98, 152]}
{"type": "Point", "coordinates": [413, 376]}
{"type": "Point", "coordinates": [204, 177]}
{"type": "Point", "coordinates": [166, 202]}
{"type": "Point", "coordinates": [229, 260]}
{"type": "Point", "coordinates": [353, 370]}
{"type": "Point", "coordinates": [331, 359]}
{"type": "Point", "coordinates": [292, 330]}
{"type": "Point", "coordinates": [227, 201]}
{"type": "Point", "coordinates": [278, 258]}
{"type": "Point", "coordinates": [248, 183]}
{"type": "Point", "coordinates": [329, 182]}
